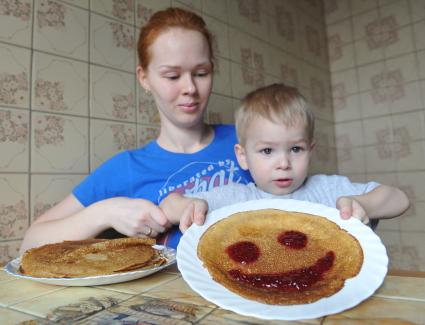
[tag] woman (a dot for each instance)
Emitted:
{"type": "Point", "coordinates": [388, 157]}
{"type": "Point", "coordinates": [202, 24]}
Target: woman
{"type": "Point", "coordinates": [175, 67]}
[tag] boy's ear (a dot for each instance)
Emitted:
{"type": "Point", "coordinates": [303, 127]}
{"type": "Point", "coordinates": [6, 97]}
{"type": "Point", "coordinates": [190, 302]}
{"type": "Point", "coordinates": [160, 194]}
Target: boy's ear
{"type": "Point", "coordinates": [142, 77]}
{"type": "Point", "coordinates": [312, 145]}
{"type": "Point", "coordinates": [240, 156]}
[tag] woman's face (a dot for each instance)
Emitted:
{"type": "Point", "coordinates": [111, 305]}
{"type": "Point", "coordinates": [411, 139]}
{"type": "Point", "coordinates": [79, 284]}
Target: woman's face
{"type": "Point", "coordinates": [179, 76]}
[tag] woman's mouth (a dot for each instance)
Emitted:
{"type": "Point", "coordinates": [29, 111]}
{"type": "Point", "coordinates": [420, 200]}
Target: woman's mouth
{"type": "Point", "coordinates": [188, 107]}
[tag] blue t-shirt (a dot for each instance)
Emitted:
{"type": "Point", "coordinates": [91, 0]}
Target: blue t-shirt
{"type": "Point", "coordinates": [151, 173]}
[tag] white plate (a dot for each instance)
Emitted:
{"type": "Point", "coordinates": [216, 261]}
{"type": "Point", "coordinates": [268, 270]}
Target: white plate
{"type": "Point", "coordinates": [13, 269]}
{"type": "Point", "coordinates": [355, 290]}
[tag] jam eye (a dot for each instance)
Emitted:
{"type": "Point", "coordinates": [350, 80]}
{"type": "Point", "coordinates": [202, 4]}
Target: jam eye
{"type": "Point", "coordinates": [243, 252]}
{"type": "Point", "coordinates": [292, 239]}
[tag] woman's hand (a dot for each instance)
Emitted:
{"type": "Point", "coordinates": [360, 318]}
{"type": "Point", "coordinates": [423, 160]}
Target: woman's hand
{"type": "Point", "coordinates": [133, 217]}
{"type": "Point", "coordinates": [348, 207]}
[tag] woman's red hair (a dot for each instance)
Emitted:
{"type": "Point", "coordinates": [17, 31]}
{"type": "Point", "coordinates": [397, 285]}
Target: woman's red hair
{"type": "Point", "coordinates": [163, 20]}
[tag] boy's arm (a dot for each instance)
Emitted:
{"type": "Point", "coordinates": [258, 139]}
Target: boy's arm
{"type": "Point", "coordinates": [183, 210]}
{"type": "Point", "coordinates": [382, 202]}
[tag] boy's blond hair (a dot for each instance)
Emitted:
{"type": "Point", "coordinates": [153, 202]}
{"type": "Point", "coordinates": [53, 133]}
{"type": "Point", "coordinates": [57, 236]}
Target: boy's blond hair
{"type": "Point", "coordinates": [277, 103]}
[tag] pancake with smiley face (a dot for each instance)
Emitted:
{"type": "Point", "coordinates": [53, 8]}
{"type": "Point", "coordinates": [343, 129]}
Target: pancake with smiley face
{"type": "Point", "coordinates": [279, 257]}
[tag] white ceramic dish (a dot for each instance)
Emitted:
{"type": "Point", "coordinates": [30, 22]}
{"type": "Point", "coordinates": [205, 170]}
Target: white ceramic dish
{"type": "Point", "coordinates": [13, 268]}
{"type": "Point", "coordinates": [355, 290]}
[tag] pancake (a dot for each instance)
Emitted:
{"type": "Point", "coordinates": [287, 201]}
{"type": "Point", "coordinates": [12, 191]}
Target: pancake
{"type": "Point", "coordinates": [90, 257]}
{"type": "Point", "coordinates": [279, 257]}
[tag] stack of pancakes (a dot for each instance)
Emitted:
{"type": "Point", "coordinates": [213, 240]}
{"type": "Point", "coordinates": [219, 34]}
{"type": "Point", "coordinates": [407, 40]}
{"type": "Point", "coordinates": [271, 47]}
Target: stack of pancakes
{"type": "Point", "coordinates": [90, 257]}
{"type": "Point", "coordinates": [280, 257]}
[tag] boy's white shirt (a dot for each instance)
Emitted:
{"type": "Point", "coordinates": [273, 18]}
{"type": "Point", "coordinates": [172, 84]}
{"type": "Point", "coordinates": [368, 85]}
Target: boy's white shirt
{"type": "Point", "coordinates": [323, 189]}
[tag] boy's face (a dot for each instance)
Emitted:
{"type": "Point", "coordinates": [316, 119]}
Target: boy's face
{"type": "Point", "coordinates": [277, 156]}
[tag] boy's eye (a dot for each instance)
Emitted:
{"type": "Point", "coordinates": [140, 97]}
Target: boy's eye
{"type": "Point", "coordinates": [266, 151]}
{"type": "Point", "coordinates": [297, 149]}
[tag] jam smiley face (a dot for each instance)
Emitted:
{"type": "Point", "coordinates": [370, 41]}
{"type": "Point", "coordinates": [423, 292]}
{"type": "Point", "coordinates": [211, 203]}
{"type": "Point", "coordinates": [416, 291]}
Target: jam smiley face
{"type": "Point", "coordinates": [245, 252]}
{"type": "Point", "coordinates": [280, 257]}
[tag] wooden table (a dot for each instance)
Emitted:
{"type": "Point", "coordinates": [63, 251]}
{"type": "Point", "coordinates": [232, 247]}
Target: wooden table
{"type": "Point", "coordinates": [164, 298]}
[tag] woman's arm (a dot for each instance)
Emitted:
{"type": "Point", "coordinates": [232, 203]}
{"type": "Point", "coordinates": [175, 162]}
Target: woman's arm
{"type": "Point", "coordinates": [69, 220]}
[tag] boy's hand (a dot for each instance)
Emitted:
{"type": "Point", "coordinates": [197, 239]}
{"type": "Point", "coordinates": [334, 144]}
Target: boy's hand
{"type": "Point", "coordinates": [349, 207]}
{"type": "Point", "coordinates": [195, 212]}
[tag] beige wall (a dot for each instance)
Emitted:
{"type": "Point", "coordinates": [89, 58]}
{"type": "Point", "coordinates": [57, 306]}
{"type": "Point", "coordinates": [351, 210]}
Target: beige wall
{"type": "Point", "coordinates": [69, 98]}
{"type": "Point", "coordinates": [377, 62]}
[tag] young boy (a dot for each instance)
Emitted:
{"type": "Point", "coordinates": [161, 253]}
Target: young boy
{"type": "Point", "coordinates": [275, 129]}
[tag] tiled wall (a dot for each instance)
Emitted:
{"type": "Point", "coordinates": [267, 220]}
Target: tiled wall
{"type": "Point", "coordinates": [69, 98]}
{"type": "Point", "coordinates": [377, 63]}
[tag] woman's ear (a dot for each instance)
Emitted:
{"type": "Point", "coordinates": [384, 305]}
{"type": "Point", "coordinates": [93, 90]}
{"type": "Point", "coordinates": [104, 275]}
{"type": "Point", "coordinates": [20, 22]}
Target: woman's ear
{"type": "Point", "coordinates": [142, 77]}
{"type": "Point", "coordinates": [241, 156]}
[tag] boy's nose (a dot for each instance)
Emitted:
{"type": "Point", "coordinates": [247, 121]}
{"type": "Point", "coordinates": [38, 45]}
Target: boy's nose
{"type": "Point", "coordinates": [284, 162]}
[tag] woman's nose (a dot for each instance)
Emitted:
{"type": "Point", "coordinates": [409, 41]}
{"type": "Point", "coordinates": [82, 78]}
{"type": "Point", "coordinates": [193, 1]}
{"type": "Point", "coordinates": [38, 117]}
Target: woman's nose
{"type": "Point", "coordinates": [189, 86]}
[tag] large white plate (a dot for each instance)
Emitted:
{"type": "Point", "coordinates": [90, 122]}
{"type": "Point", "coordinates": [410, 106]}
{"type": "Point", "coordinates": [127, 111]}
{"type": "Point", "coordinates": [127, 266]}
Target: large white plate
{"type": "Point", "coordinates": [170, 254]}
{"type": "Point", "coordinates": [354, 291]}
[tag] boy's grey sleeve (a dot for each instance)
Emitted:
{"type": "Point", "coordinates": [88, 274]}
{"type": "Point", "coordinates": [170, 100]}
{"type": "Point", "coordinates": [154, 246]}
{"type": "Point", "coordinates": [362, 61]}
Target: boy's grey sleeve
{"type": "Point", "coordinates": [223, 195]}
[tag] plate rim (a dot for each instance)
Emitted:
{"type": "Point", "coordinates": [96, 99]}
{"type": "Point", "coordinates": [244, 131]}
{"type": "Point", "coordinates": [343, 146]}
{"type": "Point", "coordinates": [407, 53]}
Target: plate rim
{"type": "Point", "coordinates": [171, 254]}
{"type": "Point", "coordinates": [350, 225]}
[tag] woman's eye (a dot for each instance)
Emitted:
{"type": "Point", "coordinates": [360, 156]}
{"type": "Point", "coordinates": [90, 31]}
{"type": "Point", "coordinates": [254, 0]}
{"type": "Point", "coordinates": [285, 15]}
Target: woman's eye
{"type": "Point", "coordinates": [201, 73]}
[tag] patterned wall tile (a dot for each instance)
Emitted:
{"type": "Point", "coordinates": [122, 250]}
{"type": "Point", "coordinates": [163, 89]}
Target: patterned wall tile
{"type": "Point", "coordinates": [404, 97]}
{"type": "Point", "coordinates": [145, 9]}
{"type": "Point", "coordinates": [378, 131]}
{"type": "Point", "coordinates": [220, 110]}
{"type": "Point", "coordinates": [414, 221]}
{"type": "Point", "coordinates": [112, 94]}
{"type": "Point", "coordinates": [341, 32]}
{"type": "Point", "coordinates": [400, 41]}
{"type": "Point", "coordinates": [418, 30]}
{"type": "Point", "coordinates": [349, 132]}
{"type": "Point", "coordinates": [217, 9]}
{"type": "Point", "coordinates": [248, 16]}
{"type": "Point", "coordinates": [350, 160]}
{"type": "Point", "coordinates": [372, 76]}
{"type": "Point", "coordinates": [359, 6]}
{"type": "Point", "coordinates": [61, 29]}
{"type": "Point", "coordinates": [380, 157]}
{"type": "Point", "coordinates": [146, 134]}
{"type": "Point", "coordinates": [417, 10]}
{"type": "Point", "coordinates": [49, 190]}
{"type": "Point", "coordinates": [336, 10]}
{"type": "Point", "coordinates": [16, 22]}
{"type": "Point", "coordinates": [80, 3]}
{"type": "Point", "coordinates": [421, 64]}
{"type": "Point", "coordinates": [408, 155]}
{"type": "Point", "coordinates": [112, 43]}
{"type": "Point", "coordinates": [346, 108]}
{"type": "Point", "coordinates": [14, 76]}
{"type": "Point", "coordinates": [313, 42]}
{"type": "Point", "coordinates": [59, 144]}
{"type": "Point", "coordinates": [220, 40]}
{"type": "Point", "coordinates": [13, 206]}
{"type": "Point", "coordinates": [323, 160]}
{"type": "Point", "coordinates": [222, 82]}
{"type": "Point", "coordinates": [284, 27]}
{"type": "Point", "coordinates": [392, 242]}
{"type": "Point", "coordinates": [412, 251]}
{"type": "Point", "coordinates": [59, 85]}
{"type": "Point", "coordinates": [398, 10]}
{"type": "Point", "coordinates": [8, 251]}
{"type": "Point", "coordinates": [341, 56]}
{"type": "Point", "coordinates": [245, 79]}
{"type": "Point", "coordinates": [344, 83]}
{"type": "Point", "coordinates": [14, 140]}
{"type": "Point", "coordinates": [147, 112]}
{"type": "Point", "coordinates": [288, 69]}
{"type": "Point", "coordinates": [108, 138]}
{"type": "Point", "coordinates": [118, 9]}
{"type": "Point", "coordinates": [195, 5]}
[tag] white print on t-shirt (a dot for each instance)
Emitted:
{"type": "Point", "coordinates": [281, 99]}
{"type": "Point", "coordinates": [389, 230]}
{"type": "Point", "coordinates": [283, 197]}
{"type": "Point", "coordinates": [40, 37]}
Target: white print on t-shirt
{"type": "Point", "coordinates": [207, 175]}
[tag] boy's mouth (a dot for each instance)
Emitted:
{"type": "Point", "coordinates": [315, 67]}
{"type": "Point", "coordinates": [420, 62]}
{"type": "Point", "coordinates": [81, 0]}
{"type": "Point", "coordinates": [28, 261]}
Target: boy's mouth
{"type": "Point", "coordinates": [283, 182]}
